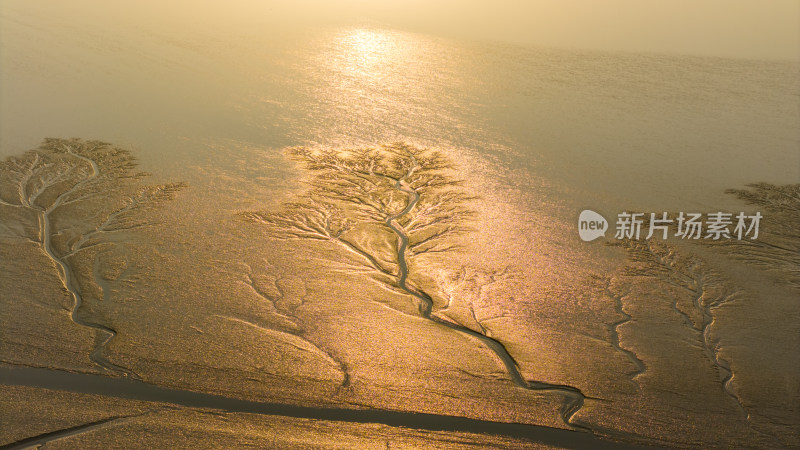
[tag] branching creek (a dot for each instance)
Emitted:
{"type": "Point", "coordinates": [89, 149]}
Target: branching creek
{"type": "Point", "coordinates": [65, 273]}
{"type": "Point", "coordinates": [573, 397]}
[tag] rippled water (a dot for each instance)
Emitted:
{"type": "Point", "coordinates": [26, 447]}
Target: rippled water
{"type": "Point", "coordinates": [511, 319]}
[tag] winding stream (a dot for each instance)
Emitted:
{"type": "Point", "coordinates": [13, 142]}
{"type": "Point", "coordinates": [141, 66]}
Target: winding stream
{"type": "Point", "coordinates": [573, 397]}
{"type": "Point", "coordinates": [67, 278]}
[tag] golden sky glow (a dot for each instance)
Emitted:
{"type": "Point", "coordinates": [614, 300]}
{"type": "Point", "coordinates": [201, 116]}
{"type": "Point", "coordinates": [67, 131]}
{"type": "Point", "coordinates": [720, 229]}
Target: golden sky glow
{"type": "Point", "coordinates": [735, 28]}
{"type": "Point", "coordinates": [743, 28]}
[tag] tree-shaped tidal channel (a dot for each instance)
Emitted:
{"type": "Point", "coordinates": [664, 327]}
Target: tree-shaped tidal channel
{"type": "Point", "coordinates": [73, 198]}
{"type": "Point", "coordinates": [388, 205]}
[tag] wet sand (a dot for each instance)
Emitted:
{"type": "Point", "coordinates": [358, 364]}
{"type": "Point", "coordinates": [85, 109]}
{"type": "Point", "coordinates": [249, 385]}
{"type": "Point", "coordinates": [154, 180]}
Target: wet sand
{"type": "Point", "coordinates": [361, 237]}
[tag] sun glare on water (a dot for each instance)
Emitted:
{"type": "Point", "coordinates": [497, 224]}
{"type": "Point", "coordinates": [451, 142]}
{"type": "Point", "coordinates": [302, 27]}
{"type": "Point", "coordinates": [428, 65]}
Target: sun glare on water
{"type": "Point", "coordinates": [371, 78]}
{"type": "Point", "coordinates": [367, 48]}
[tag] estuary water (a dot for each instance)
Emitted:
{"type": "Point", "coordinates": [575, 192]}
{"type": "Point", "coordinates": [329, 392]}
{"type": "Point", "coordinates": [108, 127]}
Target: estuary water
{"type": "Point", "coordinates": [509, 317]}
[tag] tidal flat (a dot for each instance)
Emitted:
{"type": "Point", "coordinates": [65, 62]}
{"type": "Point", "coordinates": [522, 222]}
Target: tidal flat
{"type": "Point", "coordinates": [360, 237]}
{"type": "Point", "coordinates": [367, 301]}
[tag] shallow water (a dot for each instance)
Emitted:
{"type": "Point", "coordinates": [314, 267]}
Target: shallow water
{"type": "Point", "coordinates": [456, 286]}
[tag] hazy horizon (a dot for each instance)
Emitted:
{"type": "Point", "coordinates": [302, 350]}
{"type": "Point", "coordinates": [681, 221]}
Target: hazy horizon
{"type": "Point", "coordinates": [740, 28]}
{"type": "Point", "coordinates": [723, 28]}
